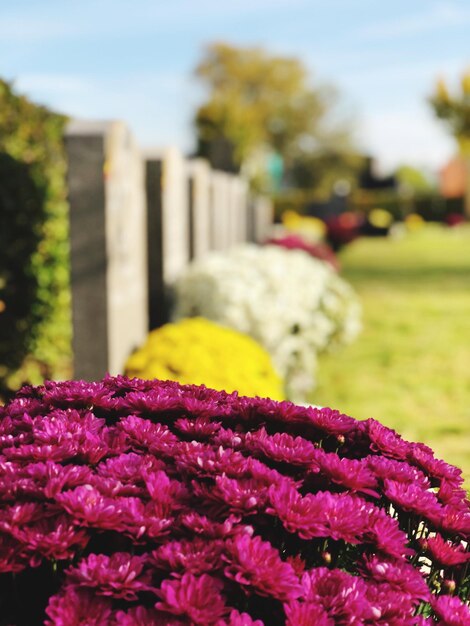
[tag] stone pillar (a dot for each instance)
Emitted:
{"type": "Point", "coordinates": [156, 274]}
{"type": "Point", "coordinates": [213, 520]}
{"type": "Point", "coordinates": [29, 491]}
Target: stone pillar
{"type": "Point", "coordinates": [261, 218]}
{"type": "Point", "coordinates": [199, 207]}
{"type": "Point", "coordinates": [240, 201]}
{"type": "Point", "coordinates": [220, 211]}
{"type": "Point", "coordinates": [108, 246]}
{"type": "Point", "coordinates": [168, 226]}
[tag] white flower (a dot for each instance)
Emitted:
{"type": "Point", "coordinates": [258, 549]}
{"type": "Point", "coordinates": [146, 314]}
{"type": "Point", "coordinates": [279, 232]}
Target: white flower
{"type": "Point", "coordinates": [294, 305]}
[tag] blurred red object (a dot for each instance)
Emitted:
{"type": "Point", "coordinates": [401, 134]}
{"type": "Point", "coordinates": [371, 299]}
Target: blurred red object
{"type": "Point", "coordinates": [320, 251]}
{"type": "Point", "coordinates": [344, 228]}
{"type": "Point", "coordinates": [454, 219]}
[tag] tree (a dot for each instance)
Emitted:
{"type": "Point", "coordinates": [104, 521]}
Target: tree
{"type": "Point", "coordinates": [454, 110]}
{"type": "Point", "coordinates": [260, 105]}
{"type": "Point", "coordinates": [414, 180]}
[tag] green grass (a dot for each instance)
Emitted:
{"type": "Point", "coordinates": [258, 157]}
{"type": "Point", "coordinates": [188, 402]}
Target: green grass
{"type": "Point", "coordinates": [410, 367]}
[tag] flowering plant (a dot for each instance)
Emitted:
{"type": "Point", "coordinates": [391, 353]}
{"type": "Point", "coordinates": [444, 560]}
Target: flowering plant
{"type": "Point", "coordinates": [198, 351]}
{"type": "Point", "coordinates": [292, 304]}
{"type": "Point", "coordinates": [140, 503]}
{"type": "Point", "coordinates": [295, 241]}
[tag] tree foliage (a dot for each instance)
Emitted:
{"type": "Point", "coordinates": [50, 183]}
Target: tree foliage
{"type": "Point", "coordinates": [454, 110]}
{"type": "Point", "coordinates": [261, 104]}
{"type": "Point", "coordinates": [35, 324]}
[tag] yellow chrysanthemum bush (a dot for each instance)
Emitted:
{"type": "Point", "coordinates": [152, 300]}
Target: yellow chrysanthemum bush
{"type": "Point", "coordinates": [198, 351]}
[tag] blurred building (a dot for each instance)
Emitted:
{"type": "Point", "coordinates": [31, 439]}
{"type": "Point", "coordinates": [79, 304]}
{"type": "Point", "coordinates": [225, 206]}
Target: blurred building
{"type": "Point", "coordinates": [452, 178]}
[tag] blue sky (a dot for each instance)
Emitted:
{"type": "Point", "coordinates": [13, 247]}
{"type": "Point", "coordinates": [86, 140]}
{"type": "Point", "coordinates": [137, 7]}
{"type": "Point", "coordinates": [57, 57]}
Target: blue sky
{"type": "Point", "coordinates": [133, 59]}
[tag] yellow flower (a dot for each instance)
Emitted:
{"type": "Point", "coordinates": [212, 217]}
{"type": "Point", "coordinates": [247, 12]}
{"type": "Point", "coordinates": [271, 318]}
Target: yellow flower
{"type": "Point", "coordinates": [199, 352]}
{"type": "Point", "coordinates": [311, 227]}
{"type": "Point", "coordinates": [380, 218]}
{"type": "Point", "coordinates": [414, 221]}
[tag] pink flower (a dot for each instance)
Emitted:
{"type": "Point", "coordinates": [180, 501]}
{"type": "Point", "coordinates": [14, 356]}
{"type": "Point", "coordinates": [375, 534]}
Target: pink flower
{"type": "Point", "coordinates": [412, 498]}
{"type": "Point", "coordinates": [199, 599]}
{"type": "Point", "coordinates": [322, 514]}
{"type": "Point", "coordinates": [331, 422]}
{"type": "Point", "coordinates": [55, 537]}
{"type": "Point", "coordinates": [281, 447]}
{"type": "Point", "coordinates": [451, 611]}
{"type": "Point", "coordinates": [398, 575]}
{"type": "Point", "coordinates": [129, 467]}
{"type": "Point", "coordinates": [144, 434]}
{"type": "Point", "coordinates": [455, 521]}
{"type": "Point", "coordinates": [77, 394]}
{"type": "Point", "coordinates": [120, 575]}
{"type": "Point", "coordinates": [140, 616]}
{"type": "Point", "coordinates": [13, 558]}
{"type": "Point", "coordinates": [199, 428]}
{"type": "Point", "coordinates": [386, 440]}
{"type": "Point", "coordinates": [423, 457]}
{"type": "Point", "coordinates": [307, 614]}
{"type": "Point", "coordinates": [88, 505]}
{"type": "Point", "coordinates": [202, 460]}
{"type": "Point", "coordinates": [255, 564]}
{"type": "Point", "coordinates": [76, 607]}
{"type": "Point", "coordinates": [340, 595]}
{"type": "Point", "coordinates": [351, 474]}
{"type": "Point", "coordinates": [239, 619]}
{"type": "Point", "coordinates": [385, 535]}
{"type": "Point", "coordinates": [205, 527]}
{"type": "Point", "coordinates": [400, 471]}
{"type": "Point", "coordinates": [196, 557]}
{"type": "Point", "coordinates": [444, 553]}
{"type": "Point", "coordinates": [243, 495]}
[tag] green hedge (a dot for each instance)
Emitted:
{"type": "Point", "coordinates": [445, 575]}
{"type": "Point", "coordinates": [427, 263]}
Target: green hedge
{"type": "Point", "coordinates": [35, 325]}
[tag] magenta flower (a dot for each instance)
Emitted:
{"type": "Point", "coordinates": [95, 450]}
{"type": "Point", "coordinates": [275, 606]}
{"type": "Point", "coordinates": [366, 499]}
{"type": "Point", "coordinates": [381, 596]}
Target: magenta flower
{"type": "Point", "coordinates": [201, 525]}
{"type": "Point", "coordinates": [145, 435]}
{"type": "Point", "coordinates": [451, 611]}
{"type": "Point", "coordinates": [198, 556]}
{"type": "Point", "coordinates": [385, 535]}
{"type": "Point", "coordinates": [399, 471]}
{"type": "Point", "coordinates": [306, 614]}
{"type": "Point", "coordinates": [281, 447]}
{"type": "Point", "coordinates": [323, 514]}
{"type": "Point", "coordinates": [340, 595]}
{"type": "Point", "coordinates": [241, 496]}
{"type": "Point", "coordinates": [423, 457]}
{"type": "Point", "coordinates": [239, 619]}
{"type": "Point", "coordinates": [399, 576]}
{"type": "Point", "coordinates": [77, 607]}
{"type": "Point", "coordinates": [120, 575]}
{"type": "Point", "coordinates": [55, 538]}
{"type": "Point", "coordinates": [255, 564]}
{"type": "Point", "coordinates": [199, 428]}
{"type": "Point", "coordinates": [348, 473]}
{"type": "Point", "coordinates": [386, 440]}
{"type": "Point", "coordinates": [149, 502]}
{"type": "Point", "coordinates": [199, 599]}
{"type": "Point", "coordinates": [331, 422]}
{"type": "Point", "coordinates": [413, 499]}
{"type": "Point", "coordinates": [12, 555]}
{"type": "Point", "coordinates": [141, 616]}
{"type": "Point", "coordinates": [445, 553]}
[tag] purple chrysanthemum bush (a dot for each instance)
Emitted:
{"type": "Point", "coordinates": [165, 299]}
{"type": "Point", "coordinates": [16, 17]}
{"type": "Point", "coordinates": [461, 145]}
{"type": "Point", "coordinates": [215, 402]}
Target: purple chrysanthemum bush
{"type": "Point", "coordinates": [138, 503]}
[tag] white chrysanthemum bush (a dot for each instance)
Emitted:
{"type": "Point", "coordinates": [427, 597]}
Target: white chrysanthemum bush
{"type": "Point", "coordinates": [294, 305]}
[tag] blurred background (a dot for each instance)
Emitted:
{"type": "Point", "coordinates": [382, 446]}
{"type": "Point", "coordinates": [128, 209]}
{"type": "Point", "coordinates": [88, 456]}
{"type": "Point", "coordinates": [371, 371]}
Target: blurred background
{"type": "Point", "coordinates": [352, 117]}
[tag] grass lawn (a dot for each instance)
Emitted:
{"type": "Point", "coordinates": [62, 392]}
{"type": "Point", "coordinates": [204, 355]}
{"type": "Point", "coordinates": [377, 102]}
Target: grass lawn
{"type": "Point", "coordinates": [410, 368]}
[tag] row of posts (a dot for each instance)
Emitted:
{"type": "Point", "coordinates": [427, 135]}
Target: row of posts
{"type": "Point", "coordinates": [136, 220]}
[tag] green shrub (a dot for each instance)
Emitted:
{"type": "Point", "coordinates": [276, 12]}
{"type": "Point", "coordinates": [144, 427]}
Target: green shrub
{"type": "Point", "coordinates": [35, 326]}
